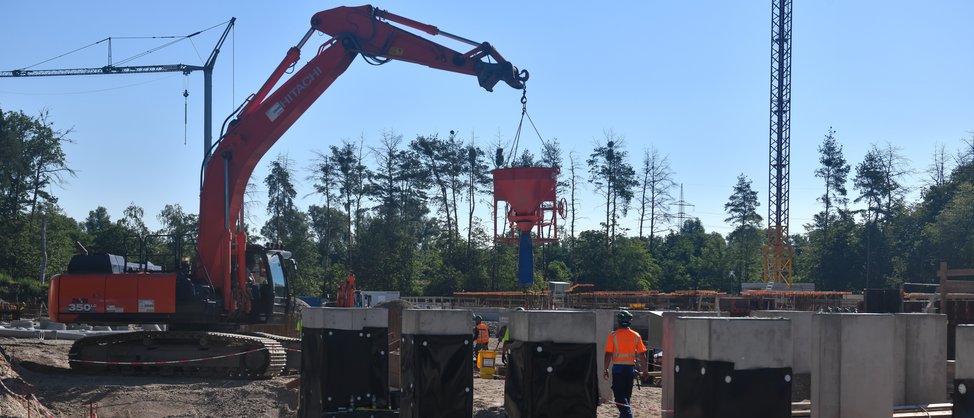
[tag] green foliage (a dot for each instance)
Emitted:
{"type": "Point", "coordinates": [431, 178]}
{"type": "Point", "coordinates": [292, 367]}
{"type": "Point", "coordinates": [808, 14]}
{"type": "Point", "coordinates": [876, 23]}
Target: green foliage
{"type": "Point", "coordinates": [614, 178]}
{"type": "Point", "coordinates": [22, 290]}
{"type": "Point", "coordinates": [397, 226]}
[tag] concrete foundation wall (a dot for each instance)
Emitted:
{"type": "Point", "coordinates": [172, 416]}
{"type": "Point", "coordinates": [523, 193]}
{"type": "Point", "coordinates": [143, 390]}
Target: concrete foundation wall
{"type": "Point", "coordinates": [964, 349]}
{"type": "Point", "coordinates": [664, 321]}
{"type": "Point", "coordinates": [554, 326]}
{"type": "Point", "coordinates": [344, 318]}
{"type": "Point", "coordinates": [749, 343]}
{"type": "Point", "coordinates": [654, 325]}
{"type": "Point", "coordinates": [852, 365]}
{"type": "Point", "coordinates": [604, 324]}
{"type": "Point", "coordinates": [801, 337]}
{"type": "Point", "coordinates": [437, 322]}
{"type": "Point", "coordinates": [920, 356]}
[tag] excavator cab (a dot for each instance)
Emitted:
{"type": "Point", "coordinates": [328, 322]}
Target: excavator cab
{"type": "Point", "coordinates": [269, 274]}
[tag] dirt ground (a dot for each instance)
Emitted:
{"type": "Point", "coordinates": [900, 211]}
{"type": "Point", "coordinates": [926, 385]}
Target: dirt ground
{"type": "Point", "coordinates": [40, 368]}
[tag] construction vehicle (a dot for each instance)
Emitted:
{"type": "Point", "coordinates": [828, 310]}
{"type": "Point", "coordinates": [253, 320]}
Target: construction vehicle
{"type": "Point", "coordinates": [228, 282]}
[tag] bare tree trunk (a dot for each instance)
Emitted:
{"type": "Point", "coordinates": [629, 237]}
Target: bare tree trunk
{"type": "Point", "coordinates": [43, 249]}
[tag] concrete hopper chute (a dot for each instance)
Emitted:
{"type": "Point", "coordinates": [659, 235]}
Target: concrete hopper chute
{"type": "Point", "coordinates": [527, 196]}
{"type": "Point", "coordinates": [530, 204]}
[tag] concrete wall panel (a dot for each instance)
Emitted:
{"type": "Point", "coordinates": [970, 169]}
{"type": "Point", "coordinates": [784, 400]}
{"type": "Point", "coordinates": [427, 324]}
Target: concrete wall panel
{"type": "Point", "coordinates": [801, 336]}
{"type": "Point", "coordinates": [667, 324]}
{"type": "Point", "coordinates": [852, 365]}
{"type": "Point", "coordinates": [964, 349]}
{"type": "Point", "coordinates": [344, 318]}
{"type": "Point", "coordinates": [604, 323]}
{"type": "Point", "coordinates": [749, 343]}
{"type": "Point", "coordinates": [578, 327]}
{"type": "Point", "coordinates": [920, 356]}
{"type": "Point", "coordinates": [437, 322]}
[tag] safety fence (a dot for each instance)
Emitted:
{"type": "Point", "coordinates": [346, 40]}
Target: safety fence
{"type": "Point", "coordinates": [32, 404]}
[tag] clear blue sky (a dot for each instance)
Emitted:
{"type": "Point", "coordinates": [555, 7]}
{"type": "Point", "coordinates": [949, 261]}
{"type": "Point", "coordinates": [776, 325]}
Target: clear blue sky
{"type": "Point", "coordinates": [691, 79]}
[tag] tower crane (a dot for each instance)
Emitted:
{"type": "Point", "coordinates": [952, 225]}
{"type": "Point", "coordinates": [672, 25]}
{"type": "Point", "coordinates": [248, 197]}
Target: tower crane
{"type": "Point", "coordinates": [206, 68]}
{"type": "Point", "coordinates": [778, 252]}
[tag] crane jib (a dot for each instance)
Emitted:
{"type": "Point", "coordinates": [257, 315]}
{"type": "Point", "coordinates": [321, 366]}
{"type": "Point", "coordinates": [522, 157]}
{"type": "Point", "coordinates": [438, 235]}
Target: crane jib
{"type": "Point", "coordinates": [278, 108]}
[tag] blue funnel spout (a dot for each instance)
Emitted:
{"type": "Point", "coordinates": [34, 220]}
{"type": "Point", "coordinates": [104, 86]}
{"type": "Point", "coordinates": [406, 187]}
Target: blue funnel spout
{"type": "Point", "coordinates": [525, 261]}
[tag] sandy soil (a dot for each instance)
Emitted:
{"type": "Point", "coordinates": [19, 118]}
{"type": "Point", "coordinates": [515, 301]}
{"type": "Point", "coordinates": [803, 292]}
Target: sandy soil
{"type": "Point", "coordinates": [40, 367]}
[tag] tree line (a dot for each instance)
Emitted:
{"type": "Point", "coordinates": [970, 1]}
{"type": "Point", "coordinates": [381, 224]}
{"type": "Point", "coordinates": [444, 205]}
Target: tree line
{"type": "Point", "coordinates": [403, 215]}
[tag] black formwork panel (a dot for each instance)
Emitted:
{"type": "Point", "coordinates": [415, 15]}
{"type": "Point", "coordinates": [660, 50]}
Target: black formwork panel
{"type": "Point", "coordinates": [343, 369]}
{"type": "Point", "coordinates": [710, 389]}
{"type": "Point", "coordinates": [963, 399]}
{"type": "Point", "coordinates": [437, 376]}
{"type": "Point", "coordinates": [551, 380]}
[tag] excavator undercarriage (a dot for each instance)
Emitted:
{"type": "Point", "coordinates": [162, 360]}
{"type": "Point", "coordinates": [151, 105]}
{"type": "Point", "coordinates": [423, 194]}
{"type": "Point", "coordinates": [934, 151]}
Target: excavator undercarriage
{"type": "Point", "coordinates": [185, 353]}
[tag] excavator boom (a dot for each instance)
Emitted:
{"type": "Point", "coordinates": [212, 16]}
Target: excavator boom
{"type": "Point", "coordinates": [355, 31]}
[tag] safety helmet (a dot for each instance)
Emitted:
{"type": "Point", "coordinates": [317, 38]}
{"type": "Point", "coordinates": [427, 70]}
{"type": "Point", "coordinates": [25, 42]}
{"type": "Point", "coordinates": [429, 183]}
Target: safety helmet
{"type": "Point", "coordinates": [519, 309]}
{"type": "Point", "coordinates": [478, 318]}
{"type": "Point", "coordinates": [624, 317]}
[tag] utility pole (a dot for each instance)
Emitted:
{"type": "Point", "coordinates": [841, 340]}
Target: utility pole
{"type": "Point", "coordinates": [778, 252]}
{"type": "Point", "coordinates": [681, 213]}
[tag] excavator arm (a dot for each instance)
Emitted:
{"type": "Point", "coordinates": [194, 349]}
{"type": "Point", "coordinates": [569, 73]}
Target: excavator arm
{"type": "Point", "coordinates": [270, 112]}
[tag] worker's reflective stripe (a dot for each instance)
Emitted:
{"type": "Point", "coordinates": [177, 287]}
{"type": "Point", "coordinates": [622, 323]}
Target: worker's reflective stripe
{"type": "Point", "coordinates": [482, 336]}
{"type": "Point", "coordinates": [618, 357]}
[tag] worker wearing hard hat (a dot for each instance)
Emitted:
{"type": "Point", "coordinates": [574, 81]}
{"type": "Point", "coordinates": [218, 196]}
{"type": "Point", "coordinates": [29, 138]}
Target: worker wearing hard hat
{"type": "Point", "coordinates": [624, 350]}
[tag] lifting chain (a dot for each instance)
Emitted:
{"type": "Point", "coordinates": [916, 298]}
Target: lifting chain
{"type": "Point", "coordinates": [517, 134]}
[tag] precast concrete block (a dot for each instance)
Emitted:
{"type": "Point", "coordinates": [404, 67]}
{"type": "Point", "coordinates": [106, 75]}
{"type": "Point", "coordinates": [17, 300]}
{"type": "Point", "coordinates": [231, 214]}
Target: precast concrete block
{"type": "Point", "coordinates": [437, 322]}
{"type": "Point", "coordinates": [344, 318]}
{"type": "Point", "coordinates": [749, 343]}
{"type": "Point", "coordinates": [554, 326]}
{"type": "Point", "coordinates": [920, 356]}
{"type": "Point", "coordinates": [604, 324]}
{"type": "Point", "coordinates": [964, 349]}
{"type": "Point", "coordinates": [665, 323]}
{"type": "Point", "coordinates": [801, 337]}
{"type": "Point", "coordinates": [852, 365]}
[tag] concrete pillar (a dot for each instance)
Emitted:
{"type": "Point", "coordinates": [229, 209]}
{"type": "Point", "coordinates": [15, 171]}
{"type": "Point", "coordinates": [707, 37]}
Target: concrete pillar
{"type": "Point", "coordinates": [437, 363]}
{"type": "Point", "coordinates": [344, 359]}
{"type": "Point", "coordinates": [663, 321]}
{"type": "Point", "coordinates": [554, 326]}
{"type": "Point", "coordinates": [732, 366]}
{"type": "Point", "coordinates": [964, 367]}
{"type": "Point", "coordinates": [553, 367]}
{"type": "Point", "coordinates": [920, 357]}
{"type": "Point", "coordinates": [852, 365]}
{"type": "Point", "coordinates": [963, 382]}
{"type": "Point", "coordinates": [604, 324]}
{"type": "Point", "coordinates": [749, 343]}
{"type": "Point", "coordinates": [801, 337]}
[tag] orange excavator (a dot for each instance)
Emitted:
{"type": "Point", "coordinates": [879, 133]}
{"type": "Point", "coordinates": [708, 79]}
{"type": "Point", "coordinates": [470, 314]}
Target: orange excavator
{"type": "Point", "coordinates": [229, 282]}
{"type": "Point", "coordinates": [346, 293]}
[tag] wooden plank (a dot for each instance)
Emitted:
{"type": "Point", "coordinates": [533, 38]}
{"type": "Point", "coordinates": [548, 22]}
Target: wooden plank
{"type": "Point", "coordinates": [921, 414]}
{"type": "Point", "coordinates": [959, 286]}
{"type": "Point", "coordinates": [960, 272]}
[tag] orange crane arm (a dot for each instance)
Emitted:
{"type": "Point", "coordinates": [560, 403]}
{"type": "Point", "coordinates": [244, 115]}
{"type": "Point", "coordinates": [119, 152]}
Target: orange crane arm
{"type": "Point", "coordinates": [270, 112]}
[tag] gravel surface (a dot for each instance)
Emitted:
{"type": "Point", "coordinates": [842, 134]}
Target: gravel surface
{"type": "Point", "coordinates": [40, 367]}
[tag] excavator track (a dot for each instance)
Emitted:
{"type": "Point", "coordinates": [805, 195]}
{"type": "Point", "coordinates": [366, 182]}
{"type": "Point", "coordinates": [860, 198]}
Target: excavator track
{"type": "Point", "coordinates": [179, 353]}
{"type": "Point", "coordinates": [291, 345]}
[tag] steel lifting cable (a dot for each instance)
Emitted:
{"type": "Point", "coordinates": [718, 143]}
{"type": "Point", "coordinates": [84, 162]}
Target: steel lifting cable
{"type": "Point", "coordinates": [176, 38]}
{"type": "Point", "coordinates": [520, 124]}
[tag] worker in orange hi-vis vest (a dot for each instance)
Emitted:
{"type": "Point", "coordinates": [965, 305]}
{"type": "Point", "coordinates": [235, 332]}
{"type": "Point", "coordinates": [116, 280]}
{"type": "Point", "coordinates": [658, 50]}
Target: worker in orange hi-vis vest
{"type": "Point", "coordinates": [624, 349]}
{"type": "Point", "coordinates": [482, 334]}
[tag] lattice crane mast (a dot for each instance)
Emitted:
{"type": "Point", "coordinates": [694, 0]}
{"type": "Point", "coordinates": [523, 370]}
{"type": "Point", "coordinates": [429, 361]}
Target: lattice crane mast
{"type": "Point", "coordinates": [778, 252]}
